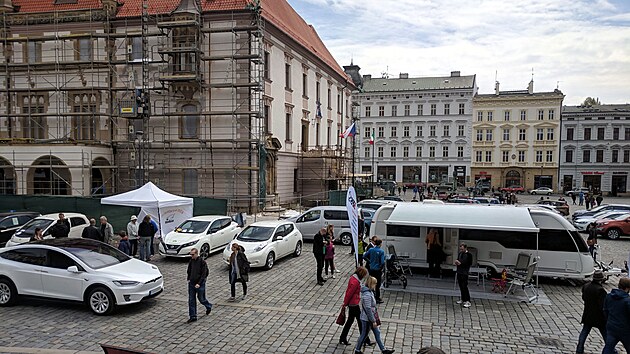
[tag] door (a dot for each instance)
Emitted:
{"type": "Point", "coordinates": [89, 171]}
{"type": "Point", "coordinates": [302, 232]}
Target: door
{"type": "Point", "coordinates": [214, 234]}
{"type": "Point", "coordinates": [227, 231]}
{"type": "Point", "coordinates": [57, 281]}
{"type": "Point", "coordinates": [76, 226]}
{"type": "Point", "coordinates": [310, 223]}
{"type": "Point", "coordinates": [279, 245]}
{"type": "Point", "coordinates": [26, 272]}
{"type": "Point", "coordinates": [288, 241]}
{"type": "Point", "coordinates": [625, 226]}
{"type": "Point", "coordinates": [7, 228]}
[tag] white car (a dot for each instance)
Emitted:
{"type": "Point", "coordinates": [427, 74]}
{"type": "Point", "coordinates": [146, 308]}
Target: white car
{"type": "Point", "coordinates": [582, 223]}
{"type": "Point", "coordinates": [207, 234]}
{"type": "Point", "coordinates": [77, 223]}
{"type": "Point", "coordinates": [267, 241]}
{"type": "Point", "coordinates": [541, 190]}
{"type": "Point", "coordinates": [76, 270]}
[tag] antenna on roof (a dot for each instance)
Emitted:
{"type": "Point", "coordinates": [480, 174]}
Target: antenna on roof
{"type": "Point", "coordinates": [385, 74]}
{"type": "Point", "coordinates": [557, 85]}
{"type": "Point", "coordinates": [496, 75]}
{"type": "Point", "coordinates": [351, 59]}
{"type": "Point", "coordinates": [532, 74]}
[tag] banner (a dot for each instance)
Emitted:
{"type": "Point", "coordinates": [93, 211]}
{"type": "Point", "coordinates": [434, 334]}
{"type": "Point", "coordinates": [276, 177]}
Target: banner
{"type": "Point", "coordinates": [353, 216]}
{"type": "Point", "coordinates": [168, 218]}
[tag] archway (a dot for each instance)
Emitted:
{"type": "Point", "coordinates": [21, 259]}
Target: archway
{"type": "Point", "coordinates": [513, 178]}
{"type": "Point", "coordinates": [101, 177]}
{"type": "Point", "coordinates": [49, 175]}
{"type": "Point", "coordinates": [7, 177]}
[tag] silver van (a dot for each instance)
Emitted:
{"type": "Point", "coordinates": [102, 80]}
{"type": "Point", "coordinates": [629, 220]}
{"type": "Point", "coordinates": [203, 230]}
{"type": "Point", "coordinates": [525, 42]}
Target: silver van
{"type": "Point", "coordinates": [310, 222]}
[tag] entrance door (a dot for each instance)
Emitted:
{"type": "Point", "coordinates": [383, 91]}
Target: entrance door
{"type": "Point", "coordinates": [593, 182]}
{"type": "Point", "coordinates": [513, 178]}
{"type": "Point", "coordinates": [567, 183]}
{"type": "Point", "coordinates": [619, 184]}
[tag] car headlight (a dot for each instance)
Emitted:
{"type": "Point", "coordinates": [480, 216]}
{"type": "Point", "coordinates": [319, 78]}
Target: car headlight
{"type": "Point", "coordinates": [126, 282]}
{"type": "Point", "coordinates": [260, 247]}
{"type": "Point", "coordinates": [192, 243]}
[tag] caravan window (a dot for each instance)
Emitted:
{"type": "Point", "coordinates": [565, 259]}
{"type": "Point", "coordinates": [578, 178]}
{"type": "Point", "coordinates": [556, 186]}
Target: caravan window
{"type": "Point", "coordinates": [403, 231]}
{"type": "Point", "coordinates": [556, 240]}
{"type": "Point", "coordinates": [335, 215]}
{"type": "Point", "coordinates": [507, 239]}
{"type": "Point", "coordinates": [582, 247]}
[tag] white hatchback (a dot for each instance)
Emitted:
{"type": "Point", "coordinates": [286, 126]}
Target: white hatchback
{"type": "Point", "coordinates": [207, 233]}
{"type": "Point", "coordinates": [76, 270]}
{"type": "Point", "coordinates": [267, 241]}
{"type": "Point", "coordinates": [22, 235]}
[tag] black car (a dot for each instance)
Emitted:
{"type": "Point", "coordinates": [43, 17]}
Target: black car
{"type": "Point", "coordinates": [9, 222]}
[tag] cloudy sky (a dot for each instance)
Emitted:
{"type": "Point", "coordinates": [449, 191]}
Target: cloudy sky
{"type": "Point", "coordinates": [580, 46]}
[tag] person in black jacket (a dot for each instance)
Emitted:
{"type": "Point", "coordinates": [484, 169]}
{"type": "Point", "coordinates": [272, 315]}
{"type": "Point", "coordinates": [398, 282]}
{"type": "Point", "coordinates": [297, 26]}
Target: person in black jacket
{"type": "Point", "coordinates": [145, 232]}
{"type": "Point", "coordinates": [318, 251]}
{"type": "Point", "coordinates": [92, 232]}
{"type": "Point", "coordinates": [239, 270]}
{"type": "Point", "coordinates": [593, 294]}
{"type": "Point", "coordinates": [197, 273]}
{"type": "Point", "coordinates": [463, 263]}
{"type": "Point", "coordinates": [61, 228]}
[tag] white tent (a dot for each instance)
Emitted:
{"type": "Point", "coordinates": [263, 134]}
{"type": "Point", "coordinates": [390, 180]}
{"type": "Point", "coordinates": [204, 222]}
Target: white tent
{"type": "Point", "coordinates": [167, 209]}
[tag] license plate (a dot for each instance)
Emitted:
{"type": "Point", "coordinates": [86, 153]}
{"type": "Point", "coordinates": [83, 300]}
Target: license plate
{"type": "Point", "coordinates": [154, 291]}
{"type": "Point", "coordinates": [171, 251]}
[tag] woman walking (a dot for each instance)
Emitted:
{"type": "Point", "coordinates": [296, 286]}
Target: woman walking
{"type": "Point", "coordinates": [369, 317]}
{"type": "Point", "coordinates": [352, 301]}
{"type": "Point", "coordinates": [239, 270]}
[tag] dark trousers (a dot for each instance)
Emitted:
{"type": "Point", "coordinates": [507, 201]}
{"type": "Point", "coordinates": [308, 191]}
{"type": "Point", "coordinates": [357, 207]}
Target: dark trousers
{"type": "Point", "coordinates": [134, 247]}
{"type": "Point", "coordinates": [329, 263]}
{"type": "Point", "coordinates": [378, 274]}
{"type": "Point", "coordinates": [434, 260]}
{"type": "Point", "coordinates": [200, 294]}
{"type": "Point", "coordinates": [612, 338]}
{"type": "Point", "coordinates": [586, 329]}
{"type": "Point", "coordinates": [319, 258]}
{"type": "Point", "coordinates": [462, 281]}
{"type": "Point", "coordinates": [152, 248]}
{"type": "Point", "coordinates": [233, 281]}
{"type": "Point", "coordinates": [354, 313]}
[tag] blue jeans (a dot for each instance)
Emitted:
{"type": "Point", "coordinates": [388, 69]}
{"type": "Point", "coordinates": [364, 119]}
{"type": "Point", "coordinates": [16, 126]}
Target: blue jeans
{"type": "Point", "coordinates": [613, 338]}
{"type": "Point", "coordinates": [200, 293]}
{"type": "Point", "coordinates": [586, 329]}
{"type": "Point", "coordinates": [145, 248]}
{"type": "Point", "coordinates": [365, 327]}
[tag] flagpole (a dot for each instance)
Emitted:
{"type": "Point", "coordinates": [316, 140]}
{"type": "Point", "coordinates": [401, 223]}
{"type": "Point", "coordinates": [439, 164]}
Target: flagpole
{"type": "Point", "coordinates": [373, 153]}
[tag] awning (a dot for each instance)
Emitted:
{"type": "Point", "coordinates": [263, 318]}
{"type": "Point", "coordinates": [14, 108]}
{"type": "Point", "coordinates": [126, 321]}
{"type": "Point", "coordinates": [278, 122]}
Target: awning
{"type": "Point", "coordinates": [480, 217]}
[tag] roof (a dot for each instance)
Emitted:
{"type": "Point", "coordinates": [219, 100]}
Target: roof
{"type": "Point", "coordinates": [55, 216]}
{"type": "Point", "coordinates": [208, 217]}
{"type": "Point", "coordinates": [468, 216]}
{"type": "Point", "coordinates": [419, 83]}
{"type": "Point", "coordinates": [518, 93]}
{"type": "Point", "coordinates": [271, 223]}
{"type": "Point", "coordinates": [50, 6]}
{"type": "Point", "coordinates": [147, 196]}
{"type": "Point", "coordinates": [601, 108]}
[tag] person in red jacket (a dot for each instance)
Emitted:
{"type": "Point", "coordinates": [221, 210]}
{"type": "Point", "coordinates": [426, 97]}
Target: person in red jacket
{"type": "Point", "coordinates": [352, 301]}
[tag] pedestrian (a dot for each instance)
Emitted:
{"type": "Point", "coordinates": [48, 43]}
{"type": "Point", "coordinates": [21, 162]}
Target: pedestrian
{"type": "Point", "coordinates": [592, 199]}
{"type": "Point", "coordinates": [617, 313]}
{"type": "Point", "coordinates": [107, 232]}
{"type": "Point", "coordinates": [463, 263]}
{"type": "Point", "coordinates": [61, 228]}
{"type": "Point", "coordinates": [156, 228]}
{"type": "Point", "coordinates": [145, 231]}
{"type": "Point", "coordinates": [588, 202]}
{"type": "Point", "coordinates": [352, 300]}
{"type": "Point", "coordinates": [369, 316]}
{"type": "Point", "coordinates": [513, 198]}
{"type": "Point", "coordinates": [591, 241]}
{"type": "Point", "coordinates": [329, 254]}
{"type": "Point", "coordinates": [361, 249]}
{"type": "Point", "coordinates": [132, 232]}
{"type": "Point", "coordinates": [197, 273]}
{"type": "Point", "coordinates": [38, 235]}
{"type": "Point", "coordinates": [376, 258]}
{"type": "Point", "coordinates": [581, 198]}
{"type": "Point", "coordinates": [318, 252]}
{"type": "Point", "coordinates": [91, 231]}
{"type": "Point", "coordinates": [404, 190]}
{"type": "Point", "coordinates": [123, 245]}
{"type": "Point", "coordinates": [415, 191]}
{"type": "Point", "coordinates": [238, 270]}
{"type": "Point", "coordinates": [434, 252]}
{"type": "Point", "coordinates": [599, 199]}
{"type": "Point", "coordinates": [573, 197]}
{"type": "Point", "coordinates": [593, 294]}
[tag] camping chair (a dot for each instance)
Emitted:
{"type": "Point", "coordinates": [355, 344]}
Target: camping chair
{"type": "Point", "coordinates": [522, 264]}
{"type": "Point", "coordinates": [525, 283]}
{"type": "Point", "coordinates": [403, 261]}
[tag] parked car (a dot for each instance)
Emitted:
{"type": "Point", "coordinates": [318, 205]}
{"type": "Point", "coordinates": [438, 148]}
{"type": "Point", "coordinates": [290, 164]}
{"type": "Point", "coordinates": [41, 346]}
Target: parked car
{"type": "Point", "coordinates": [394, 198]}
{"type": "Point", "coordinates": [613, 228]}
{"type": "Point", "coordinates": [577, 191]}
{"type": "Point", "coordinates": [80, 270]}
{"type": "Point", "coordinates": [463, 201]}
{"type": "Point", "coordinates": [606, 207]}
{"type": "Point", "coordinates": [208, 233]}
{"type": "Point", "coordinates": [486, 200]}
{"type": "Point", "coordinates": [561, 205]}
{"type": "Point", "coordinates": [77, 223]}
{"type": "Point", "coordinates": [541, 190]}
{"type": "Point", "coordinates": [368, 214]}
{"type": "Point", "coordinates": [310, 222]}
{"type": "Point", "coordinates": [10, 222]}
{"type": "Point", "coordinates": [582, 223]}
{"type": "Point", "coordinates": [513, 189]}
{"type": "Point", "coordinates": [267, 241]}
{"type": "Point", "coordinates": [373, 203]}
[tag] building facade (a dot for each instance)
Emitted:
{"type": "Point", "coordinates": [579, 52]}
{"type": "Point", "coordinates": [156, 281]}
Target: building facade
{"type": "Point", "coordinates": [516, 138]}
{"type": "Point", "coordinates": [595, 147]}
{"type": "Point", "coordinates": [228, 99]}
{"type": "Point", "coordinates": [421, 128]}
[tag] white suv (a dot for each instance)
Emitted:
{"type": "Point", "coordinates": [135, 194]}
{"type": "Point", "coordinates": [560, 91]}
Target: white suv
{"type": "Point", "coordinates": [22, 235]}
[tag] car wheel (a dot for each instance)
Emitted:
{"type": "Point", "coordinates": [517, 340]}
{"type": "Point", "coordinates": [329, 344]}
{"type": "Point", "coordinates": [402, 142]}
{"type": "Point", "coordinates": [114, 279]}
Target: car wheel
{"type": "Point", "coordinates": [549, 193]}
{"type": "Point", "coordinates": [298, 249]}
{"type": "Point", "coordinates": [346, 239]}
{"type": "Point", "coordinates": [533, 193]}
{"type": "Point", "coordinates": [271, 257]}
{"type": "Point", "coordinates": [204, 252]}
{"type": "Point", "coordinates": [101, 301]}
{"type": "Point", "coordinates": [613, 234]}
{"type": "Point", "coordinates": [8, 292]}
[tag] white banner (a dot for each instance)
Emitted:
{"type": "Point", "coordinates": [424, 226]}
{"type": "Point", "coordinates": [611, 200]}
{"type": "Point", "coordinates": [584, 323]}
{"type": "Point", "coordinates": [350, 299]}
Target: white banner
{"type": "Point", "coordinates": [168, 218]}
{"type": "Point", "coordinates": [353, 216]}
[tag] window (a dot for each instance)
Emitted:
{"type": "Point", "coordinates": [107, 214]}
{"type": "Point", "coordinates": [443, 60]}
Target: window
{"type": "Point", "coordinates": [366, 152]}
{"type": "Point", "coordinates": [521, 156]}
{"type": "Point", "coordinates": [432, 129]}
{"type": "Point", "coordinates": [418, 151]}
{"type": "Point", "coordinates": [488, 156]}
{"type": "Point", "coordinates": [586, 155]}
{"type": "Point", "coordinates": [551, 114]}
{"type": "Point", "coordinates": [328, 98]}
{"type": "Point", "coordinates": [480, 116]}
{"type": "Point", "coordinates": [420, 109]}
{"type": "Point", "coordinates": [304, 85]}
{"type": "Point", "coordinates": [392, 132]}
{"type": "Point", "coordinates": [267, 64]}
{"type": "Point", "coordinates": [33, 127]}
{"type": "Point", "coordinates": [381, 111]}
{"type": "Point", "coordinates": [615, 156]}
{"type": "Point", "coordinates": [627, 134]}
{"type": "Point", "coordinates": [33, 52]}
{"type": "Point", "coordinates": [549, 133]}
{"type": "Point", "coordinates": [191, 181]}
{"type": "Point", "coordinates": [380, 151]}
{"type": "Point", "coordinates": [549, 156]}
{"type": "Point", "coordinates": [419, 131]}
{"type": "Point", "coordinates": [367, 132]}
{"type": "Point", "coordinates": [541, 114]}
{"type": "Point", "coordinates": [460, 151]}
{"type": "Point", "coordinates": [84, 50]}
{"type": "Point", "coordinates": [406, 112]}
{"type": "Point", "coordinates": [460, 130]}
{"type": "Point", "coordinates": [539, 157]}
{"type": "Point", "coordinates": [405, 151]}
{"type": "Point", "coordinates": [444, 151]}
{"type": "Point", "coordinates": [189, 122]}
{"type": "Point", "coordinates": [506, 116]}
{"type": "Point", "coordinates": [368, 110]}
{"type": "Point", "coordinates": [615, 133]}
{"type": "Point", "coordinates": [599, 156]}
{"type": "Point", "coordinates": [394, 111]}
{"type": "Point", "coordinates": [479, 134]}
{"type": "Point", "coordinates": [406, 131]}
{"type": "Point", "coordinates": [539, 134]}
{"type": "Point", "coordinates": [446, 130]}
{"type": "Point", "coordinates": [626, 156]}
{"type": "Point", "coordinates": [447, 109]}
{"type": "Point", "coordinates": [392, 151]}
{"type": "Point", "coordinates": [568, 156]}
{"type": "Point", "coordinates": [84, 126]}
{"type": "Point", "coordinates": [403, 231]}
{"type": "Point", "coordinates": [523, 114]}
{"type": "Point", "coordinates": [287, 76]}
{"type": "Point", "coordinates": [522, 133]}
{"type": "Point", "coordinates": [287, 126]}
{"type": "Point", "coordinates": [600, 133]}
{"type": "Point", "coordinates": [489, 116]}
{"type": "Point", "coordinates": [478, 156]}
{"type": "Point", "coordinates": [505, 156]}
{"type": "Point", "coordinates": [570, 132]}
{"type": "Point", "coordinates": [433, 109]}
{"type": "Point", "coordinates": [506, 134]}
{"type": "Point", "coordinates": [431, 151]}
{"type": "Point", "coordinates": [335, 215]}
{"type": "Point", "coordinates": [338, 99]}
{"type": "Point", "coordinates": [328, 135]}
{"type": "Point", "coordinates": [587, 133]}
{"type": "Point", "coordinates": [462, 108]}
{"type": "Point", "coordinates": [318, 95]}
{"type": "Point", "coordinates": [266, 116]}
{"type": "Point", "coordinates": [381, 132]}
{"type": "Point", "coordinates": [135, 43]}
{"type": "Point", "coordinates": [489, 135]}
{"type": "Point", "coordinates": [317, 133]}
{"type": "Point", "coordinates": [295, 180]}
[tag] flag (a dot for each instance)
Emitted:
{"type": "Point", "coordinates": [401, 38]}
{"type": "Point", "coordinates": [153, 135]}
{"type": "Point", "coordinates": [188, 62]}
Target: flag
{"type": "Point", "coordinates": [353, 217]}
{"type": "Point", "coordinates": [372, 138]}
{"type": "Point", "coordinates": [349, 132]}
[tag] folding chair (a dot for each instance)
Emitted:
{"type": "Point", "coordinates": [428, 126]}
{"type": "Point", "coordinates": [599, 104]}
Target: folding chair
{"type": "Point", "coordinates": [403, 261]}
{"type": "Point", "coordinates": [522, 262]}
{"type": "Point", "coordinates": [526, 283]}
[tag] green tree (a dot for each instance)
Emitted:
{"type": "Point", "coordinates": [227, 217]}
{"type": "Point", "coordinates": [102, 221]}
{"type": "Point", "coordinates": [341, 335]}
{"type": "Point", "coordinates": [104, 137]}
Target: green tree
{"type": "Point", "coordinates": [590, 101]}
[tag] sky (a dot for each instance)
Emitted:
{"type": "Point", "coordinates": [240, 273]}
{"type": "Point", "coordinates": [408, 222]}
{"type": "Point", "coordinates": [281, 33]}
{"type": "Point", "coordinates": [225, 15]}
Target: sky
{"type": "Point", "coordinates": [581, 47]}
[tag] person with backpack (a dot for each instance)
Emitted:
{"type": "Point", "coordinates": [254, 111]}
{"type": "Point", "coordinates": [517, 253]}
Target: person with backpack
{"type": "Point", "coordinates": [376, 258]}
{"type": "Point", "coordinates": [238, 271]}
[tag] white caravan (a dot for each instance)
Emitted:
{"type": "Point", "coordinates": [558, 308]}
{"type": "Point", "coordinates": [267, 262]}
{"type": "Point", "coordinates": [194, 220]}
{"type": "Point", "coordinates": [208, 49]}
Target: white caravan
{"type": "Point", "coordinates": [498, 233]}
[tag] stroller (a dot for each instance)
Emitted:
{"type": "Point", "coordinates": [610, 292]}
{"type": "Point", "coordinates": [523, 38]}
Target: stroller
{"type": "Point", "coordinates": [394, 272]}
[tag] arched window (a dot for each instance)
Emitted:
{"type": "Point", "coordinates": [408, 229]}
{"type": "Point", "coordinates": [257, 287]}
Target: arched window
{"type": "Point", "coordinates": [190, 122]}
{"type": "Point", "coordinates": [513, 178]}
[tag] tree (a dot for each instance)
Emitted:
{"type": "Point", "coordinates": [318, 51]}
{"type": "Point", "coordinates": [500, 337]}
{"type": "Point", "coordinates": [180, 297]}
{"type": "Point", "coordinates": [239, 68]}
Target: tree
{"type": "Point", "coordinates": [590, 101]}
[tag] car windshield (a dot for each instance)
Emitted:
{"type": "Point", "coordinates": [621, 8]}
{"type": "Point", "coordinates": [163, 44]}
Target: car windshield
{"type": "Point", "coordinates": [29, 227]}
{"type": "Point", "coordinates": [97, 255]}
{"type": "Point", "coordinates": [192, 227]}
{"type": "Point", "coordinates": [619, 216]}
{"type": "Point", "coordinates": [255, 233]}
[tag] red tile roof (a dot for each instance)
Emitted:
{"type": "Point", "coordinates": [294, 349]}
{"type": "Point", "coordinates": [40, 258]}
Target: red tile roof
{"type": "Point", "coordinates": [49, 5]}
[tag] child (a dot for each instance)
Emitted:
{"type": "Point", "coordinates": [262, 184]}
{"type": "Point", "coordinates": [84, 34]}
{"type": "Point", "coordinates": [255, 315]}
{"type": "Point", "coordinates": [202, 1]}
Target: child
{"type": "Point", "coordinates": [329, 254]}
{"type": "Point", "coordinates": [124, 245]}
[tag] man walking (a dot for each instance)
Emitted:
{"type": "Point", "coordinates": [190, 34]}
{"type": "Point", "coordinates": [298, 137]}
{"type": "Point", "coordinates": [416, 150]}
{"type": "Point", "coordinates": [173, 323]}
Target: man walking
{"type": "Point", "coordinates": [463, 263]}
{"type": "Point", "coordinates": [196, 275]}
{"type": "Point", "coordinates": [91, 231]}
{"type": "Point", "coordinates": [376, 263]}
{"type": "Point", "coordinates": [132, 232]}
{"type": "Point", "coordinates": [318, 252]}
{"type": "Point", "coordinates": [617, 312]}
{"type": "Point", "coordinates": [593, 294]}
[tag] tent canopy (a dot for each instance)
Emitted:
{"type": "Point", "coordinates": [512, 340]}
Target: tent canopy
{"type": "Point", "coordinates": [480, 217]}
{"type": "Point", "coordinates": [147, 196]}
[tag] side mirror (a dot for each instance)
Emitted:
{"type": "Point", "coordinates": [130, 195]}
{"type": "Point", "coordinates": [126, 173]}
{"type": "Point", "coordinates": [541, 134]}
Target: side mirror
{"type": "Point", "coordinates": [73, 269]}
{"type": "Point", "coordinates": [279, 238]}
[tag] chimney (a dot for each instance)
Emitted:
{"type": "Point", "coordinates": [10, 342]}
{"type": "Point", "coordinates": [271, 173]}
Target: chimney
{"type": "Point", "coordinates": [403, 76]}
{"type": "Point", "coordinates": [455, 74]}
{"type": "Point", "coordinates": [530, 87]}
{"type": "Point", "coordinates": [496, 88]}
{"type": "Point", "coordinates": [353, 71]}
{"type": "Point", "coordinates": [367, 77]}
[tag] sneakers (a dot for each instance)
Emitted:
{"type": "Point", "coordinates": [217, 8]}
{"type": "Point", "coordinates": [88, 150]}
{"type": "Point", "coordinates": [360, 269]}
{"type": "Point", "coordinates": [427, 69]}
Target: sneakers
{"type": "Point", "coordinates": [208, 310]}
{"type": "Point", "coordinates": [231, 299]}
{"type": "Point", "coordinates": [191, 320]}
{"type": "Point", "coordinates": [337, 271]}
{"type": "Point", "coordinates": [459, 302]}
{"type": "Point", "coordinates": [326, 277]}
{"type": "Point", "coordinates": [333, 276]}
{"type": "Point", "coordinates": [243, 297]}
{"type": "Point", "coordinates": [467, 304]}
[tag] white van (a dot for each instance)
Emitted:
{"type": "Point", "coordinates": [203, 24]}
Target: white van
{"type": "Point", "coordinates": [498, 233]}
{"type": "Point", "coordinates": [310, 222]}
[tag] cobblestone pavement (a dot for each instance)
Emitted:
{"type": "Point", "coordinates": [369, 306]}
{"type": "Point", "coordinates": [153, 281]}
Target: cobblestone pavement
{"type": "Point", "coordinates": [286, 312]}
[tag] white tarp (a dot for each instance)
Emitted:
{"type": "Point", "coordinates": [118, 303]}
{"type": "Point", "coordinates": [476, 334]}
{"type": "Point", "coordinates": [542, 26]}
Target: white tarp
{"type": "Point", "coordinates": [353, 216]}
{"type": "Point", "coordinates": [168, 210]}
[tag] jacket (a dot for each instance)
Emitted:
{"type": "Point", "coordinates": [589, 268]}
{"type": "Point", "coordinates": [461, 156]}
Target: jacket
{"type": "Point", "coordinates": [197, 271]}
{"type": "Point", "coordinates": [318, 244]}
{"type": "Point", "coordinates": [368, 304]}
{"type": "Point", "coordinates": [594, 294]}
{"type": "Point", "coordinates": [376, 256]}
{"type": "Point", "coordinates": [465, 260]}
{"type": "Point", "coordinates": [145, 229]}
{"type": "Point", "coordinates": [124, 246]}
{"type": "Point", "coordinates": [330, 250]}
{"type": "Point", "coordinates": [617, 312]}
{"type": "Point", "coordinates": [353, 292]}
{"type": "Point", "coordinates": [92, 233]}
{"type": "Point", "coordinates": [132, 230]}
{"type": "Point", "coordinates": [243, 265]}
{"type": "Point", "coordinates": [108, 235]}
{"type": "Point", "coordinates": [60, 229]}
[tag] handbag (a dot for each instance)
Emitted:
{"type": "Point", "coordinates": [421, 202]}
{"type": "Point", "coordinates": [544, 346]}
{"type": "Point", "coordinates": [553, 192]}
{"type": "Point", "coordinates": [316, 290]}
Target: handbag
{"type": "Point", "coordinates": [341, 319]}
{"type": "Point", "coordinates": [377, 319]}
